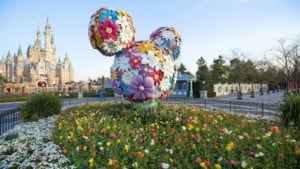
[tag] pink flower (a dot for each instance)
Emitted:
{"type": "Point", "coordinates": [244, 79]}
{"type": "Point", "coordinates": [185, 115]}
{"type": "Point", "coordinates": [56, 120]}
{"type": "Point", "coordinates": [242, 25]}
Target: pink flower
{"type": "Point", "coordinates": [135, 61]}
{"type": "Point", "coordinates": [232, 162]}
{"type": "Point", "coordinates": [109, 30]}
{"type": "Point", "coordinates": [112, 135]}
{"type": "Point", "coordinates": [198, 160]}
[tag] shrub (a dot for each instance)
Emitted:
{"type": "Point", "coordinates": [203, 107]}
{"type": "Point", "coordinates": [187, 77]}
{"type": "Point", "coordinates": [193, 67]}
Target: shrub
{"type": "Point", "coordinates": [40, 106]}
{"type": "Point", "coordinates": [291, 110]}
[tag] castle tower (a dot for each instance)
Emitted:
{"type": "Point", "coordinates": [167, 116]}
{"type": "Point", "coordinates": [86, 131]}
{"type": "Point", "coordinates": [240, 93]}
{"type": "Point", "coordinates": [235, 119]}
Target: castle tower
{"type": "Point", "coordinates": [49, 43]}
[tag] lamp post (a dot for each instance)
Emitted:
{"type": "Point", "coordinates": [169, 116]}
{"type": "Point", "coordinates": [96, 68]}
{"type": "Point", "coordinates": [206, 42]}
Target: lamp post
{"type": "Point", "coordinates": [252, 91]}
{"type": "Point", "coordinates": [239, 93]}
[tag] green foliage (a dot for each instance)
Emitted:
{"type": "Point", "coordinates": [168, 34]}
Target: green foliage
{"type": "Point", "coordinates": [202, 72]}
{"type": "Point", "coordinates": [13, 98]}
{"type": "Point", "coordinates": [108, 93]}
{"type": "Point", "coordinates": [113, 135]}
{"type": "Point", "coordinates": [291, 110]}
{"type": "Point", "coordinates": [40, 106]}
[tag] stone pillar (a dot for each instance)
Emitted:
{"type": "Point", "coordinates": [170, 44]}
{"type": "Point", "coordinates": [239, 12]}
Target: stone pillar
{"type": "Point", "coordinates": [191, 89]}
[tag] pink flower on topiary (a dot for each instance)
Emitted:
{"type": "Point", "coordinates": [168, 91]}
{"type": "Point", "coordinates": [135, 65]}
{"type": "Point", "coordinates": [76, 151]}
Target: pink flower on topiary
{"type": "Point", "coordinates": [135, 62]}
{"type": "Point", "coordinates": [141, 88]}
{"type": "Point", "coordinates": [109, 30]}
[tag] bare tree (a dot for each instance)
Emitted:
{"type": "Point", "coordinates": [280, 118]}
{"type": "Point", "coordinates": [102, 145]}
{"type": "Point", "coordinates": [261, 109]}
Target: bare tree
{"type": "Point", "coordinates": [283, 54]}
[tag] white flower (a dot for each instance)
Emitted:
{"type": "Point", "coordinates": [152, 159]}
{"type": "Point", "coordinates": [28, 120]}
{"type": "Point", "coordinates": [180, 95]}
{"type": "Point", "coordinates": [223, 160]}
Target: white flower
{"type": "Point", "coordinates": [146, 151]}
{"type": "Point", "coordinates": [164, 84]}
{"type": "Point", "coordinates": [219, 159]}
{"type": "Point", "coordinates": [152, 142]}
{"type": "Point", "coordinates": [258, 146]}
{"type": "Point", "coordinates": [158, 41]}
{"type": "Point", "coordinates": [260, 154]}
{"type": "Point", "coordinates": [111, 46]}
{"type": "Point", "coordinates": [169, 151]}
{"type": "Point", "coordinates": [168, 34]}
{"type": "Point", "coordinates": [244, 164]}
{"type": "Point", "coordinates": [135, 164]}
{"type": "Point", "coordinates": [126, 35]}
{"type": "Point", "coordinates": [127, 76]}
{"type": "Point", "coordinates": [168, 66]}
{"type": "Point", "coordinates": [240, 137]}
{"type": "Point", "coordinates": [183, 128]}
{"type": "Point", "coordinates": [121, 63]}
{"type": "Point", "coordinates": [268, 134]}
{"type": "Point", "coordinates": [150, 59]}
{"type": "Point", "coordinates": [164, 165]}
{"type": "Point", "coordinates": [122, 20]}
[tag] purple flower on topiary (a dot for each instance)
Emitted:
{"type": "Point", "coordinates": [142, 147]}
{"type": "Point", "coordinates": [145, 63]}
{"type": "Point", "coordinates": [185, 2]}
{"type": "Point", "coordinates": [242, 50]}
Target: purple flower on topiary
{"type": "Point", "coordinates": [141, 88]}
{"type": "Point", "coordinates": [116, 86]}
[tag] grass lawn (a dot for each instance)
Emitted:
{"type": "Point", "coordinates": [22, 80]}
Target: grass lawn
{"type": "Point", "coordinates": [113, 135]}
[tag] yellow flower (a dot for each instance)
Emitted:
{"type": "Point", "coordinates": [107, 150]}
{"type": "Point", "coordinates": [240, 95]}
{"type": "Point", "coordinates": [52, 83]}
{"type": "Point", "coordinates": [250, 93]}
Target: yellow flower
{"type": "Point", "coordinates": [190, 127]}
{"type": "Point", "coordinates": [218, 166]}
{"type": "Point", "coordinates": [145, 47]}
{"type": "Point", "coordinates": [84, 148]}
{"type": "Point", "coordinates": [171, 160]}
{"type": "Point", "coordinates": [118, 141]}
{"type": "Point", "coordinates": [264, 137]}
{"type": "Point", "coordinates": [202, 165]}
{"type": "Point", "coordinates": [287, 136]}
{"type": "Point", "coordinates": [126, 148]}
{"type": "Point", "coordinates": [111, 161]}
{"type": "Point", "coordinates": [159, 55]}
{"type": "Point", "coordinates": [230, 146]}
{"type": "Point", "coordinates": [297, 151]}
{"type": "Point", "coordinates": [108, 144]}
{"type": "Point", "coordinates": [91, 162]}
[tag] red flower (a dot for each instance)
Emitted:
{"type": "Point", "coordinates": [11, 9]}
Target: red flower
{"type": "Point", "coordinates": [164, 141]}
{"type": "Point", "coordinates": [252, 154]}
{"type": "Point", "coordinates": [157, 76]}
{"type": "Point", "coordinates": [109, 30]}
{"type": "Point", "coordinates": [275, 129]}
{"type": "Point", "coordinates": [207, 164]}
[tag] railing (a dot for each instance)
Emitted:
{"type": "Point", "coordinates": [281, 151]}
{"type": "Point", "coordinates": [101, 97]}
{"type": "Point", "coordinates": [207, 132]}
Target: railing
{"type": "Point", "coordinates": [12, 117]}
{"type": "Point", "coordinates": [252, 108]}
{"type": "Point", "coordinates": [9, 119]}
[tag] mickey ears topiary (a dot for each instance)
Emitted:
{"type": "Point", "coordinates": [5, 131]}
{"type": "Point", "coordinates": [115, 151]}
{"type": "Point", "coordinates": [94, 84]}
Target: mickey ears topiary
{"type": "Point", "coordinates": [111, 31]}
{"type": "Point", "coordinates": [168, 38]}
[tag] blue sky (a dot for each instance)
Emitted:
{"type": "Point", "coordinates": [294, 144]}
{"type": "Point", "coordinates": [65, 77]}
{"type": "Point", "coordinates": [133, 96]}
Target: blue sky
{"type": "Point", "coordinates": [208, 27]}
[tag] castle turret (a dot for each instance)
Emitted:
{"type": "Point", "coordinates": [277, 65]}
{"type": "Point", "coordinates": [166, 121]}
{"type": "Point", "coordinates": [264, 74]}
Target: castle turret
{"type": "Point", "coordinates": [37, 43]}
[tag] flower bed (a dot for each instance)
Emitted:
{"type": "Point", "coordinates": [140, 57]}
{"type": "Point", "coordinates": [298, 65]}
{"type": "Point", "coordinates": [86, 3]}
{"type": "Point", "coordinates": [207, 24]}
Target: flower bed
{"type": "Point", "coordinates": [33, 147]}
{"type": "Point", "coordinates": [116, 136]}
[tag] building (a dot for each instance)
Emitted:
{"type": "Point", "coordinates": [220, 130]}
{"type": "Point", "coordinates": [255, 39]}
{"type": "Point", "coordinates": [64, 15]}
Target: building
{"type": "Point", "coordinates": [39, 67]}
{"type": "Point", "coordinates": [184, 86]}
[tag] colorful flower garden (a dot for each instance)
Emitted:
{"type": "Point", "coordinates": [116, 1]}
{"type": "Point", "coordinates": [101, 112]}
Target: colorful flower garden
{"type": "Point", "coordinates": [111, 135]}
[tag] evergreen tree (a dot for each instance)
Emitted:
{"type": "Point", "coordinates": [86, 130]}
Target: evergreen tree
{"type": "Point", "coordinates": [202, 72]}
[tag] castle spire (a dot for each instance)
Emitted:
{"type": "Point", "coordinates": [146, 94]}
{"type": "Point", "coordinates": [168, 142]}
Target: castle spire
{"type": "Point", "coordinates": [20, 53]}
{"type": "Point", "coordinates": [8, 54]}
{"type": "Point", "coordinates": [48, 35]}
